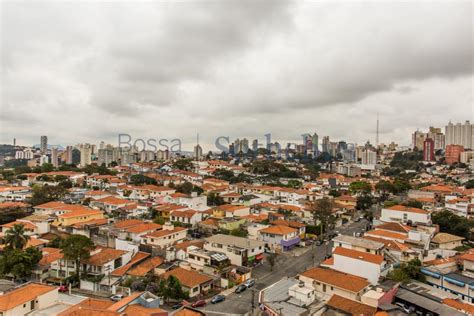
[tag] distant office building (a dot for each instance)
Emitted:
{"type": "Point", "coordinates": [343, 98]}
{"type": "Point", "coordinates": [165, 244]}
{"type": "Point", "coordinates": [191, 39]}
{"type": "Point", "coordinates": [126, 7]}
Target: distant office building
{"type": "Point", "coordinates": [24, 154]}
{"type": "Point", "coordinates": [255, 145]}
{"type": "Point", "coordinates": [466, 157]}
{"type": "Point", "coordinates": [369, 157]}
{"type": "Point", "coordinates": [44, 144]}
{"type": "Point", "coordinates": [244, 145]}
{"type": "Point", "coordinates": [438, 138]}
{"type": "Point", "coordinates": [315, 141]}
{"type": "Point", "coordinates": [453, 153]}
{"type": "Point", "coordinates": [417, 140]}
{"type": "Point", "coordinates": [105, 157]}
{"type": "Point", "coordinates": [428, 150]}
{"type": "Point", "coordinates": [69, 150]}
{"type": "Point", "coordinates": [43, 159]}
{"type": "Point", "coordinates": [102, 145]}
{"type": "Point", "coordinates": [460, 134]}
{"type": "Point", "coordinates": [147, 155]}
{"type": "Point", "coordinates": [128, 157]}
{"type": "Point", "coordinates": [163, 155]}
{"type": "Point", "coordinates": [86, 154]}
{"type": "Point", "coordinates": [198, 152]}
{"type": "Point", "coordinates": [54, 157]}
{"type": "Point", "coordinates": [325, 144]}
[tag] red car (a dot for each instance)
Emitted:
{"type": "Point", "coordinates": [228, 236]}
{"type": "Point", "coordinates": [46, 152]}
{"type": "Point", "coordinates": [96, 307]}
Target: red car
{"type": "Point", "coordinates": [199, 303]}
{"type": "Point", "coordinates": [63, 289]}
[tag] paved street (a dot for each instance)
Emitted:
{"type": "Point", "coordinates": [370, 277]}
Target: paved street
{"type": "Point", "coordinates": [287, 265]}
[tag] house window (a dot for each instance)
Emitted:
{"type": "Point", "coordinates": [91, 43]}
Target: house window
{"type": "Point", "coordinates": [196, 289]}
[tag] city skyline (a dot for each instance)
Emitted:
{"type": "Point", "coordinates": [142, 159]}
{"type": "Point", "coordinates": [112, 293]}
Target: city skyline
{"type": "Point", "coordinates": [266, 71]}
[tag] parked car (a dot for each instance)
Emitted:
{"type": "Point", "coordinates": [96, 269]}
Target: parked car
{"type": "Point", "coordinates": [199, 303]}
{"type": "Point", "coordinates": [63, 289]}
{"type": "Point", "coordinates": [177, 305]}
{"type": "Point", "coordinates": [240, 288]}
{"type": "Point", "coordinates": [217, 299]}
{"type": "Point", "coordinates": [116, 297]}
{"type": "Point", "coordinates": [249, 283]}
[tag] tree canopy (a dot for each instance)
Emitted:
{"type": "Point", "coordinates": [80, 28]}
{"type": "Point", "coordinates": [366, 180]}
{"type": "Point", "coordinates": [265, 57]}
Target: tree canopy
{"type": "Point", "coordinates": [19, 263]}
{"type": "Point", "coordinates": [16, 237]}
{"type": "Point", "coordinates": [76, 248]}
{"type": "Point", "coordinates": [407, 271]}
{"type": "Point", "coordinates": [452, 224]}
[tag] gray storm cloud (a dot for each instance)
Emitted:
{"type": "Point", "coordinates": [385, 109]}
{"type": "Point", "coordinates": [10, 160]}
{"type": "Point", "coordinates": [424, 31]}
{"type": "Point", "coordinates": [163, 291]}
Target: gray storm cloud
{"type": "Point", "coordinates": [233, 67]}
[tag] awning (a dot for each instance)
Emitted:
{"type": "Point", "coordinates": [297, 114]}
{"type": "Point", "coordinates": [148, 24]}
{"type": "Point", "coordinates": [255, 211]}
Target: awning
{"type": "Point", "coordinates": [430, 273]}
{"type": "Point", "coordinates": [259, 256]}
{"type": "Point", "coordinates": [455, 282]}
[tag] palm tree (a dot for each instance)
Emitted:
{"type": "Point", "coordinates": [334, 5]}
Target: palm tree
{"type": "Point", "coordinates": [16, 237]}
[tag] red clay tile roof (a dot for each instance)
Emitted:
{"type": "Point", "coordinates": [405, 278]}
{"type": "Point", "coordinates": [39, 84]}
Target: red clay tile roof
{"type": "Point", "coordinates": [139, 256]}
{"type": "Point", "coordinates": [104, 256]}
{"type": "Point", "coordinates": [386, 234]}
{"type": "Point", "coordinates": [188, 278]}
{"type": "Point", "coordinates": [128, 223]}
{"type": "Point", "coordinates": [346, 281]}
{"type": "Point", "coordinates": [460, 306]}
{"type": "Point", "coordinates": [145, 227]}
{"type": "Point", "coordinates": [359, 255]}
{"type": "Point", "coordinates": [278, 230]}
{"type": "Point", "coordinates": [403, 208]}
{"type": "Point", "coordinates": [146, 266]}
{"type": "Point", "coordinates": [23, 295]}
{"type": "Point", "coordinates": [162, 233]}
{"type": "Point", "coordinates": [350, 306]}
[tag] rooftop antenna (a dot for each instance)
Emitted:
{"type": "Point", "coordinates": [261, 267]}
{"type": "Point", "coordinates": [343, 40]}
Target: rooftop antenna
{"type": "Point", "coordinates": [377, 133]}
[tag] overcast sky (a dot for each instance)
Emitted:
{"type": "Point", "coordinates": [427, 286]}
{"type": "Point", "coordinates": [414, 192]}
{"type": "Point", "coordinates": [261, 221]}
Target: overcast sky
{"type": "Point", "coordinates": [85, 72]}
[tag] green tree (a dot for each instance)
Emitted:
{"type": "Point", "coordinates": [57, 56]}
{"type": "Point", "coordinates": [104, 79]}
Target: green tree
{"type": "Point", "coordinates": [139, 179]}
{"type": "Point", "coordinates": [364, 202]}
{"type": "Point", "coordinates": [16, 238]}
{"type": "Point", "coordinates": [159, 220]}
{"type": "Point", "coordinates": [360, 187]}
{"type": "Point", "coordinates": [172, 289]}
{"type": "Point", "coordinates": [407, 271]}
{"type": "Point", "coordinates": [213, 199]}
{"type": "Point", "coordinates": [77, 248]}
{"type": "Point", "coordinates": [239, 232]}
{"type": "Point", "coordinates": [452, 224]}
{"type": "Point", "coordinates": [272, 260]}
{"type": "Point", "coordinates": [19, 262]}
{"type": "Point", "coordinates": [469, 184]}
{"type": "Point", "coordinates": [183, 164]}
{"type": "Point", "coordinates": [321, 211]}
{"type": "Point", "coordinates": [47, 193]}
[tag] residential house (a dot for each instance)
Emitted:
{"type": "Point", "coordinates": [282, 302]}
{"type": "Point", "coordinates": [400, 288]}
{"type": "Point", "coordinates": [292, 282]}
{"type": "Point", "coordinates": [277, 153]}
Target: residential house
{"type": "Point", "coordinates": [279, 237]}
{"type": "Point", "coordinates": [329, 282]}
{"type": "Point", "coordinates": [405, 214]}
{"type": "Point", "coordinates": [28, 298]}
{"type": "Point", "coordinates": [166, 237]}
{"type": "Point", "coordinates": [228, 210]}
{"type": "Point", "coordinates": [359, 244]}
{"type": "Point", "coordinates": [241, 251]}
{"type": "Point", "coordinates": [188, 217]}
{"type": "Point", "coordinates": [363, 264]}
{"type": "Point", "coordinates": [446, 241]}
{"type": "Point", "coordinates": [193, 282]}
